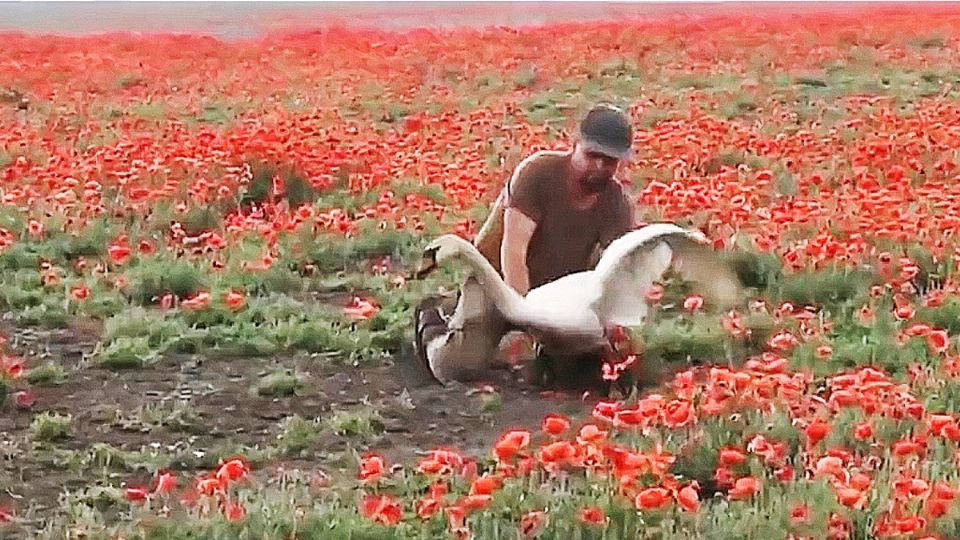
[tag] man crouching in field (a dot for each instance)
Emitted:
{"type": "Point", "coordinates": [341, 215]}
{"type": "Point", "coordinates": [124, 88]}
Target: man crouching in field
{"type": "Point", "coordinates": [554, 217]}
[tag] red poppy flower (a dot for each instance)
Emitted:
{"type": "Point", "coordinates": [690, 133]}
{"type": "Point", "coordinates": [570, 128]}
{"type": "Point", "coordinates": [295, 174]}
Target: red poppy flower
{"type": "Point", "coordinates": [816, 431]}
{"type": "Point", "coordinates": [556, 424]}
{"type": "Point", "coordinates": [938, 341]}
{"type": "Point", "coordinates": [744, 488]}
{"type": "Point", "coordinates": [653, 499]}
{"type": "Point", "coordinates": [166, 483]}
{"type": "Point", "coordinates": [427, 508]}
{"type": "Point", "coordinates": [197, 302]}
{"type": "Point", "coordinates": [475, 502]}
{"type": "Point", "coordinates": [693, 303]}
{"type": "Point", "coordinates": [592, 515]}
{"type": "Point", "coordinates": [118, 254]}
{"type": "Point", "coordinates": [371, 469]}
{"type": "Point", "coordinates": [654, 294]}
{"type": "Point", "coordinates": [11, 366]}
{"type": "Point", "coordinates": [24, 399]}
{"type": "Point", "coordinates": [235, 300]}
{"type": "Point", "coordinates": [731, 456]}
{"type": "Point", "coordinates": [678, 413]}
{"type": "Point", "coordinates": [904, 313]}
{"type": "Point", "coordinates": [360, 309]}
{"type": "Point", "coordinates": [231, 471]}
{"type": "Point", "coordinates": [79, 292]}
{"type": "Point", "coordinates": [689, 498]}
{"type": "Point", "coordinates": [532, 523]}
{"type": "Point", "coordinates": [484, 485]}
{"type": "Point", "coordinates": [799, 514]}
{"type": "Point", "coordinates": [382, 509]}
{"type": "Point", "coordinates": [209, 486]}
{"type": "Point", "coordinates": [511, 443]}
{"type": "Point", "coordinates": [136, 494]}
{"type": "Point", "coordinates": [234, 511]}
{"type": "Point", "coordinates": [862, 431]}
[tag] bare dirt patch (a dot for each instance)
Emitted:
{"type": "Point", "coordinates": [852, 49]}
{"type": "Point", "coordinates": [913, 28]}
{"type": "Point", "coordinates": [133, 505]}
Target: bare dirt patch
{"type": "Point", "coordinates": [190, 404]}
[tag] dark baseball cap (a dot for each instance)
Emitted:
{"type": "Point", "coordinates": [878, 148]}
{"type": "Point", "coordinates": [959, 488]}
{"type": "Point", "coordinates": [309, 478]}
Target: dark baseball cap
{"type": "Point", "coordinates": [606, 129]}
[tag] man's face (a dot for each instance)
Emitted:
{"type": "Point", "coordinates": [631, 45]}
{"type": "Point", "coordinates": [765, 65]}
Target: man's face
{"type": "Point", "coordinates": [593, 169]}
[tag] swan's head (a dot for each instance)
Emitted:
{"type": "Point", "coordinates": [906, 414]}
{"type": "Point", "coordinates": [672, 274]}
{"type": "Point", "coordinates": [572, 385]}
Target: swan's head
{"type": "Point", "coordinates": [442, 249]}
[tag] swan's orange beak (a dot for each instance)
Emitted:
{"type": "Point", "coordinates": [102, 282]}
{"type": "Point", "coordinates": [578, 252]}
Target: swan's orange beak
{"type": "Point", "coordinates": [427, 264]}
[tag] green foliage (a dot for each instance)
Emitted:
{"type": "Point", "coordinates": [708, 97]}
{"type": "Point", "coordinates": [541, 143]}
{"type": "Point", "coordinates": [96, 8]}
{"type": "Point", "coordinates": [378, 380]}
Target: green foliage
{"type": "Point", "coordinates": [279, 383]}
{"type": "Point", "coordinates": [49, 314]}
{"type": "Point", "coordinates": [90, 245]}
{"type": "Point", "coordinates": [362, 421]}
{"type": "Point", "coordinates": [684, 341]}
{"type": "Point", "coordinates": [754, 270]}
{"type": "Point", "coordinates": [155, 277]}
{"type": "Point", "coordinates": [22, 255]}
{"type": "Point", "coordinates": [48, 426]}
{"type": "Point", "coordinates": [199, 220]}
{"type": "Point", "coordinates": [297, 189]}
{"type": "Point", "coordinates": [47, 374]}
{"type": "Point", "coordinates": [946, 316]}
{"type": "Point", "coordinates": [126, 353]}
{"type": "Point", "coordinates": [298, 434]}
{"type": "Point", "coordinates": [823, 288]}
{"type": "Point", "coordinates": [331, 252]}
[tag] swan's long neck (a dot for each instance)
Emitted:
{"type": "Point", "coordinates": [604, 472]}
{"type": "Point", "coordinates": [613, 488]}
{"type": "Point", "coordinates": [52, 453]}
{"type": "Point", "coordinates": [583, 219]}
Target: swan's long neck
{"type": "Point", "coordinates": [510, 303]}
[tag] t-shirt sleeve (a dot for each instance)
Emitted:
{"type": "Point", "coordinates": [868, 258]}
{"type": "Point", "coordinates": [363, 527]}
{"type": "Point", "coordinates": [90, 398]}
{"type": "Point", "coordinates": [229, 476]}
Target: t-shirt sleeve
{"type": "Point", "coordinates": [525, 191]}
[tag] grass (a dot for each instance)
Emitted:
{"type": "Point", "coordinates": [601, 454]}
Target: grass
{"type": "Point", "coordinates": [358, 422]}
{"type": "Point", "coordinates": [48, 374]}
{"type": "Point", "coordinates": [48, 427]}
{"type": "Point", "coordinates": [279, 383]}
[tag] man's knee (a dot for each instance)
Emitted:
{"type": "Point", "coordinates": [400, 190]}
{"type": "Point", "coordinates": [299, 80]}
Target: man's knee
{"type": "Point", "coordinates": [458, 334]}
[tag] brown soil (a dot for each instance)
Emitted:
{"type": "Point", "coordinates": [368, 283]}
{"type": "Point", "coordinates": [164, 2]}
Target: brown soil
{"type": "Point", "coordinates": [219, 391]}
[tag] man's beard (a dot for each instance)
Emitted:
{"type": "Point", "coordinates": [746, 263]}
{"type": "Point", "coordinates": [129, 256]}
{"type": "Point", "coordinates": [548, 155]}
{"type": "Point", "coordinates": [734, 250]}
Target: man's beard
{"type": "Point", "coordinates": [594, 184]}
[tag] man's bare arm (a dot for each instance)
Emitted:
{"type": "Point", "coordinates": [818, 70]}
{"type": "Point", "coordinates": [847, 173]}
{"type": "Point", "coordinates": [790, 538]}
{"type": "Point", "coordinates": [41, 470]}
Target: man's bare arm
{"type": "Point", "coordinates": [517, 231]}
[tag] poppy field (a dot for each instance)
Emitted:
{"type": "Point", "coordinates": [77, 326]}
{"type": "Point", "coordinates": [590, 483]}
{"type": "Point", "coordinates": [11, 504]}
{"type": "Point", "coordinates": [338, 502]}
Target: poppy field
{"type": "Point", "coordinates": [205, 251]}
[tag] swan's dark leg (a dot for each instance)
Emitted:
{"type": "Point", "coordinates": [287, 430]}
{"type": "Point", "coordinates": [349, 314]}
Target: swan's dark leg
{"type": "Point", "coordinates": [616, 337]}
{"type": "Point", "coordinates": [618, 347]}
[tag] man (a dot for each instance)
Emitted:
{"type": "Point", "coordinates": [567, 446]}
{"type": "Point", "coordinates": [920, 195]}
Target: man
{"type": "Point", "coordinates": [554, 217]}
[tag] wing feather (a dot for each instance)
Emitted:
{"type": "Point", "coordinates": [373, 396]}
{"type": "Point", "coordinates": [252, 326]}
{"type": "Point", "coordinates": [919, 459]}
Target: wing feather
{"type": "Point", "coordinates": [632, 263]}
{"type": "Point", "coordinates": [710, 275]}
{"type": "Point", "coordinates": [623, 299]}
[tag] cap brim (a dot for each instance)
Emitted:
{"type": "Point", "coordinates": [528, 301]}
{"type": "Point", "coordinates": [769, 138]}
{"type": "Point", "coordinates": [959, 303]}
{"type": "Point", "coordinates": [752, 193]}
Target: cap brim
{"type": "Point", "coordinates": [617, 153]}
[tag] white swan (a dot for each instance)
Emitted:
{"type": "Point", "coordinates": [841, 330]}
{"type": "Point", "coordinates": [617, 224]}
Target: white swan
{"type": "Point", "coordinates": [575, 313]}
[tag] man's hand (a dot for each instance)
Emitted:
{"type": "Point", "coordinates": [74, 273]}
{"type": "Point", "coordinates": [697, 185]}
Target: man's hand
{"type": "Point", "coordinates": [517, 231]}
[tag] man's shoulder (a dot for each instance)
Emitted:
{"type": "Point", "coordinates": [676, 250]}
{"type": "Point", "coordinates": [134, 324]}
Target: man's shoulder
{"type": "Point", "coordinates": [540, 162]}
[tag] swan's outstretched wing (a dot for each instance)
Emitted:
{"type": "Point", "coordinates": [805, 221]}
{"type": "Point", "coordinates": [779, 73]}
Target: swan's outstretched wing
{"type": "Point", "coordinates": [632, 263]}
{"type": "Point", "coordinates": [711, 276]}
{"type": "Point", "coordinates": [621, 298]}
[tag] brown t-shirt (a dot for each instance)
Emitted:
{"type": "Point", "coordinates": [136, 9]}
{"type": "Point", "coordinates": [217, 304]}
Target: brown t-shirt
{"type": "Point", "coordinates": [565, 239]}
